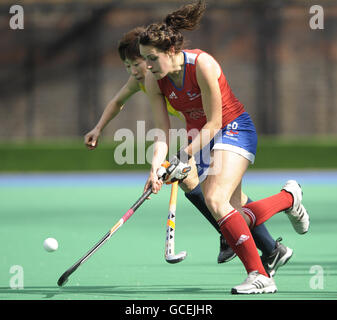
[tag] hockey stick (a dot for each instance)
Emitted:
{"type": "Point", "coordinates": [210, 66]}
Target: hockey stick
{"type": "Point", "coordinates": [170, 257]}
{"type": "Point", "coordinates": [64, 278]}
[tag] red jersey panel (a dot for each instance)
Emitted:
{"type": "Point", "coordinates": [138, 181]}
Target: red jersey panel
{"type": "Point", "coordinates": [187, 99]}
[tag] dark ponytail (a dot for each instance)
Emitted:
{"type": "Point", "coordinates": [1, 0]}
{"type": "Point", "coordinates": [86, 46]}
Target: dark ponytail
{"type": "Point", "coordinates": [187, 17]}
{"type": "Point", "coordinates": [166, 34]}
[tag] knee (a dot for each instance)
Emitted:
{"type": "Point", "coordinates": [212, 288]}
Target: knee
{"type": "Point", "coordinates": [219, 206]}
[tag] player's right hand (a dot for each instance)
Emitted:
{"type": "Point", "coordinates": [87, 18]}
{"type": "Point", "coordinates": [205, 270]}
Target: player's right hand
{"type": "Point", "coordinates": [91, 139]}
{"type": "Point", "coordinates": [154, 182]}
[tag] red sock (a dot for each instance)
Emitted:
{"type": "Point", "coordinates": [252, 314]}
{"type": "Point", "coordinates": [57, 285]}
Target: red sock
{"type": "Point", "coordinates": [266, 208]}
{"type": "Point", "coordinates": [235, 230]}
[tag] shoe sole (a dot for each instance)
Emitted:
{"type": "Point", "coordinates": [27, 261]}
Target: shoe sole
{"type": "Point", "coordinates": [282, 261]}
{"type": "Point", "coordinates": [270, 289]}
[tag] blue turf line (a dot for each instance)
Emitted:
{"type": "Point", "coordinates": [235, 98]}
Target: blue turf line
{"type": "Point", "coordinates": [71, 179]}
{"type": "Point", "coordinates": [139, 178]}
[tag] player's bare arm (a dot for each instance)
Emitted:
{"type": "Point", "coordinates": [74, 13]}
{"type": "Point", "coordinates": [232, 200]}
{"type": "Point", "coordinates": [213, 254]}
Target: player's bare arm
{"type": "Point", "coordinates": [162, 122]}
{"type": "Point", "coordinates": [115, 105]}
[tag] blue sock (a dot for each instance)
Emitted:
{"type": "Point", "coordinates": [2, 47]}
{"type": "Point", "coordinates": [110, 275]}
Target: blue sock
{"type": "Point", "coordinates": [197, 198]}
{"type": "Point", "coordinates": [262, 238]}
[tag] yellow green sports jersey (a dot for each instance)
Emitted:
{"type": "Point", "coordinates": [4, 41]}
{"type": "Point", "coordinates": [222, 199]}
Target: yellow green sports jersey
{"type": "Point", "coordinates": [170, 109]}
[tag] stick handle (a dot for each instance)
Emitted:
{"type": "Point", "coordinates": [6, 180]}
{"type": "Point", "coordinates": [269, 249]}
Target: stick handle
{"type": "Point", "coordinates": [173, 197]}
{"type": "Point", "coordinates": [131, 211]}
{"type": "Point", "coordinates": [136, 205]}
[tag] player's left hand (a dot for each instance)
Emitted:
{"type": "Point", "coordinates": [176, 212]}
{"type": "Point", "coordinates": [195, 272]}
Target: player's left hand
{"type": "Point", "coordinates": [176, 171]}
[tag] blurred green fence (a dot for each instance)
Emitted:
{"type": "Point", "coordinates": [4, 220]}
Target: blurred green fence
{"type": "Point", "coordinates": [273, 153]}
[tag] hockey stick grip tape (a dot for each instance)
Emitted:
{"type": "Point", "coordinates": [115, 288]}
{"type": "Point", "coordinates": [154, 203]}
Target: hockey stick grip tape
{"type": "Point", "coordinates": [128, 214]}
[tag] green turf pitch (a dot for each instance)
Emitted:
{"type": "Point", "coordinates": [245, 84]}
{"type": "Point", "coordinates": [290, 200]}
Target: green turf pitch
{"type": "Point", "coordinates": [131, 265]}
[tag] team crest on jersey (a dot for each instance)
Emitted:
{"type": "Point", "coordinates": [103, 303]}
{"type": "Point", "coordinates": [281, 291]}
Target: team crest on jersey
{"type": "Point", "coordinates": [193, 96]}
{"type": "Point", "coordinates": [196, 114]}
{"type": "Point", "coordinates": [173, 95]}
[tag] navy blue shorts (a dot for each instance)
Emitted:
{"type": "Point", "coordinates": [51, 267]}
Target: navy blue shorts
{"type": "Point", "coordinates": [239, 136]}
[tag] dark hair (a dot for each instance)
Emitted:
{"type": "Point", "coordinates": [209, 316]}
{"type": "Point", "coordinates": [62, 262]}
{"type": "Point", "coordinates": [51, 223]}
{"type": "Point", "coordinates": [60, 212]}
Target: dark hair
{"type": "Point", "coordinates": [166, 34]}
{"type": "Point", "coordinates": [128, 46]}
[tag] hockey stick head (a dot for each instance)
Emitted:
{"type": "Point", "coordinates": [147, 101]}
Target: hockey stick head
{"type": "Point", "coordinates": [176, 257]}
{"type": "Point", "coordinates": [64, 278]}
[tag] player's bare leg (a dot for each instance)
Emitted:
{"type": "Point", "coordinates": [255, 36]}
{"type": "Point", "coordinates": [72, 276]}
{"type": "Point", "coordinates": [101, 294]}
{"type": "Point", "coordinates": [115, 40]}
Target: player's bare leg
{"type": "Point", "coordinates": [222, 189]}
{"type": "Point", "coordinates": [193, 192]}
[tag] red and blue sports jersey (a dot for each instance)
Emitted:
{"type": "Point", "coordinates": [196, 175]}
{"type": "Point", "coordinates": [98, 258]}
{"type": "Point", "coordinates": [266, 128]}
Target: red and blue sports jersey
{"type": "Point", "coordinates": [187, 99]}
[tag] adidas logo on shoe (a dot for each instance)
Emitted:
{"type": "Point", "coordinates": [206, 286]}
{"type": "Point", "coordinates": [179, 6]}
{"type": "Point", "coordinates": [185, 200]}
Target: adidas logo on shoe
{"type": "Point", "coordinates": [242, 239]}
{"type": "Point", "coordinates": [255, 283]}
